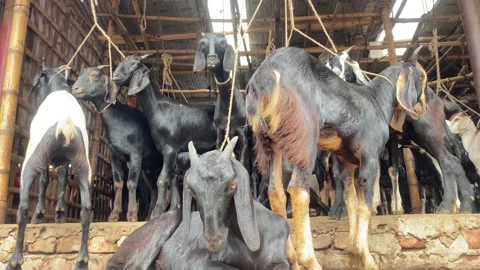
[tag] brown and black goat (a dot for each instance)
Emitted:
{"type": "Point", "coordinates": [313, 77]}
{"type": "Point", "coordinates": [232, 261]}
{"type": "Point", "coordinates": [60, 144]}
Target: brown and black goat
{"type": "Point", "coordinates": [296, 105]}
{"type": "Point", "coordinates": [230, 230]}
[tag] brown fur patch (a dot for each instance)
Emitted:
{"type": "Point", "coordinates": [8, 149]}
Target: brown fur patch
{"type": "Point", "coordinates": [280, 121]}
{"type": "Point", "coordinates": [329, 141]}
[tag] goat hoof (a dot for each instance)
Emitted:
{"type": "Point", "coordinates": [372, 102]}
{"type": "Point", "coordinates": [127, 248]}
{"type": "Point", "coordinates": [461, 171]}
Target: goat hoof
{"type": "Point", "coordinates": [37, 218]}
{"type": "Point", "coordinates": [16, 261]}
{"type": "Point", "coordinates": [113, 217]}
{"type": "Point", "coordinates": [82, 259]}
{"type": "Point", "coordinates": [338, 212]}
{"type": "Point", "coordinates": [82, 264]}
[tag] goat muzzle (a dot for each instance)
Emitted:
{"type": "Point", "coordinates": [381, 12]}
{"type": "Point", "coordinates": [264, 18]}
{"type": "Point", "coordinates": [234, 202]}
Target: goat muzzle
{"type": "Point", "coordinates": [216, 242]}
{"type": "Point", "coordinates": [78, 91]}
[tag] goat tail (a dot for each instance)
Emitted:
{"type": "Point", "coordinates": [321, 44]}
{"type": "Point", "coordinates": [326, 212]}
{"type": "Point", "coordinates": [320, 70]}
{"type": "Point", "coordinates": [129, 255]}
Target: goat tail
{"type": "Point", "coordinates": [67, 129]}
{"type": "Point", "coordinates": [276, 117]}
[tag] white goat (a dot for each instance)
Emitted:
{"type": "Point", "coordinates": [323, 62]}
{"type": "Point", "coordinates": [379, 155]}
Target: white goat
{"type": "Point", "coordinates": [462, 125]}
{"type": "Point", "coordinates": [58, 135]}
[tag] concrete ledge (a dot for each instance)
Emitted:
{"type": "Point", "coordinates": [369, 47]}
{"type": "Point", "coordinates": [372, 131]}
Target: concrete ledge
{"type": "Point", "coordinates": [396, 242]}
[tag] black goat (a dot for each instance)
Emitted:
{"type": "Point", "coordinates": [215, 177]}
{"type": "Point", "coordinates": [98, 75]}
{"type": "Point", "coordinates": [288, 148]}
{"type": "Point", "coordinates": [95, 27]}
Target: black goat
{"type": "Point", "coordinates": [214, 52]}
{"type": "Point", "coordinates": [231, 230]}
{"type": "Point", "coordinates": [431, 133]}
{"type": "Point", "coordinates": [294, 105]}
{"type": "Point", "coordinates": [128, 136]}
{"type": "Point", "coordinates": [58, 135]}
{"type": "Point", "coordinates": [172, 125]}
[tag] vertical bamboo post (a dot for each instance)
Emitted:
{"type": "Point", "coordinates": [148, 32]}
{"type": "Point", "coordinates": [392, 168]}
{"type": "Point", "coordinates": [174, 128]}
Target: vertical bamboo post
{"type": "Point", "coordinates": [471, 23]}
{"type": "Point", "coordinates": [412, 181]}
{"type": "Point", "coordinates": [11, 83]}
{"type": "Point", "coordinates": [387, 26]}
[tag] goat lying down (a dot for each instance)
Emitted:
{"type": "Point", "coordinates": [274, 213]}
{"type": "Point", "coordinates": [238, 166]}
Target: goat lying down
{"type": "Point", "coordinates": [57, 134]}
{"type": "Point", "coordinates": [295, 104]}
{"type": "Point", "coordinates": [231, 230]}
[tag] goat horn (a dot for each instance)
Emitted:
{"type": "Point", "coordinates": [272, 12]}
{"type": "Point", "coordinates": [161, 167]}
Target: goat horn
{"type": "Point", "coordinates": [415, 54]}
{"type": "Point", "coordinates": [102, 66]}
{"type": "Point", "coordinates": [227, 152]}
{"type": "Point", "coordinates": [145, 56]}
{"type": "Point", "coordinates": [192, 152]}
{"type": "Point", "coordinates": [349, 49]}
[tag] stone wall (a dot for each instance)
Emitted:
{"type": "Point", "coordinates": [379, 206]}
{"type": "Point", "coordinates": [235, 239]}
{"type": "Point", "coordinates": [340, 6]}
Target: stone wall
{"type": "Point", "coordinates": [396, 242]}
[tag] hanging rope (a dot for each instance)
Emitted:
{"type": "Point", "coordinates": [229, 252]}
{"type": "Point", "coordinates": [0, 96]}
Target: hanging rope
{"type": "Point", "coordinates": [94, 3]}
{"type": "Point", "coordinates": [292, 21]}
{"type": "Point", "coordinates": [227, 130]}
{"type": "Point", "coordinates": [271, 45]}
{"type": "Point", "coordinates": [323, 26]}
{"type": "Point", "coordinates": [167, 76]}
{"type": "Point", "coordinates": [143, 22]}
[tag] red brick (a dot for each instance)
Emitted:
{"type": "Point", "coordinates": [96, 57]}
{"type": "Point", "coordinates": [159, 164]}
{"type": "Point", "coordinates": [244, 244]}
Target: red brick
{"type": "Point", "coordinates": [472, 236]}
{"type": "Point", "coordinates": [410, 242]}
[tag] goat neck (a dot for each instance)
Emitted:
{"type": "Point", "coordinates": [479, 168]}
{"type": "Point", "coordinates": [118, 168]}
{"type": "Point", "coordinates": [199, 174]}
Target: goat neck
{"type": "Point", "coordinates": [384, 92]}
{"type": "Point", "coordinates": [102, 106]}
{"type": "Point", "coordinates": [222, 79]}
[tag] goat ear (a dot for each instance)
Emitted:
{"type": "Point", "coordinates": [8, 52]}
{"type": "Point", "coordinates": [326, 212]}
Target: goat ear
{"type": "Point", "coordinates": [111, 89]}
{"type": "Point", "coordinates": [323, 58]}
{"type": "Point", "coordinates": [228, 58]}
{"type": "Point", "coordinates": [187, 205]}
{"type": "Point", "coordinates": [36, 81]}
{"type": "Point", "coordinates": [199, 63]}
{"type": "Point", "coordinates": [139, 81]}
{"type": "Point", "coordinates": [406, 94]}
{"type": "Point", "coordinates": [244, 208]}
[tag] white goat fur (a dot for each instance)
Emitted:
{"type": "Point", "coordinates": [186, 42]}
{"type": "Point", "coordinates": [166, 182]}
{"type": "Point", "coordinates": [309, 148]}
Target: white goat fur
{"type": "Point", "coordinates": [463, 126]}
{"type": "Point", "coordinates": [62, 109]}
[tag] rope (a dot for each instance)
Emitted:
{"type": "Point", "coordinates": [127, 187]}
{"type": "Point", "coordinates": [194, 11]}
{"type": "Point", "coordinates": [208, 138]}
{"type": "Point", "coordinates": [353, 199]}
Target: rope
{"type": "Point", "coordinates": [167, 78]}
{"type": "Point", "coordinates": [143, 22]}
{"type": "Point", "coordinates": [292, 20]}
{"type": "Point", "coordinates": [94, 3]}
{"type": "Point", "coordinates": [227, 130]}
{"type": "Point", "coordinates": [323, 26]}
{"type": "Point", "coordinates": [271, 45]}
{"type": "Point", "coordinates": [286, 23]}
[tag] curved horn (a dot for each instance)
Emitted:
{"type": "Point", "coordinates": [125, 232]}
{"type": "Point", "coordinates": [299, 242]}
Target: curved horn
{"type": "Point", "coordinates": [227, 152]}
{"type": "Point", "coordinates": [349, 49]}
{"type": "Point", "coordinates": [192, 152]}
{"type": "Point", "coordinates": [102, 66]}
{"type": "Point", "coordinates": [415, 54]}
{"type": "Point", "coordinates": [145, 56]}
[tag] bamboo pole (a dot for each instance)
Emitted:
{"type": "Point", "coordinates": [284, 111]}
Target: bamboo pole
{"type": "Point", "coordinates": [11, 85]}
{"type": "Point", "coordinates": [412, 181]}
{"type": "Point", "coordinates": [387, 26]}
{"type": "Point", "coordinates": [452, 79]}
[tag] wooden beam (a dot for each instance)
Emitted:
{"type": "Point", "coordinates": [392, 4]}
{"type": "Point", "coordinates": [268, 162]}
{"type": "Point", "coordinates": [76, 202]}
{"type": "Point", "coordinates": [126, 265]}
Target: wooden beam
{"type": "Point", "coordinates": [128, 39]}
{"type": "Point", "coordinates": [136, 7]}
{"type": "Point", "coordinates": [387, 26]}
{"type": "Point", "coordinates": [118, 39]}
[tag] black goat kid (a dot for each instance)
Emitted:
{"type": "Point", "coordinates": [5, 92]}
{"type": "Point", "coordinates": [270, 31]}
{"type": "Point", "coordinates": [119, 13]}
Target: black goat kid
{"type": "Point", "coordinates": [214, 52]}
{"type": "Point", "coordinates": [231, 230]}
{"type": "Point", "coordinates": [172, 125]}
{"type": "Point", "coordinates": [128, 136]}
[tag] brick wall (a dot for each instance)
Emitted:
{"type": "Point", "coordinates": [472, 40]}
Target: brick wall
{"type": "Point", "coordinates": [396, 242]}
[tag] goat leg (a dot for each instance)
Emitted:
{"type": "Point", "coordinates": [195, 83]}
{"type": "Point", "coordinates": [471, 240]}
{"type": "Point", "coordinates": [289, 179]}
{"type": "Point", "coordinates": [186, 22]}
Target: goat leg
{"type": "Point", "coordinates": [27, 177]}
{"type": "Point", "coordinates": [62, 184]}
{"type": "Point", "coordinates": [298, 190]}
{"type": "Point", "coordinates": [164, 182]}
{"type": "Point", "coordinates": [118, 174]}
{"type": "Point", "coordinates": [83, 172]}
{"type": "Point", "coordinates": [39, 214]}
{"type": "Point", "coordinates": [278, 200]}
{"type": "Point", "coordinates": [368, 173]}
{"type": "Point", "coordinates": [134, 171]}
{"type": "Point", "coordinates": [339, 208]}
{"type": "Point", "coordinates": [397, 208]}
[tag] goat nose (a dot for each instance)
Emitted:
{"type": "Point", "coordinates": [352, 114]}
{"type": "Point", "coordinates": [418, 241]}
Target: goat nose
{"type": "Point", "coordinates": [116, 75]}
{"type": "Point", "coordinates": [212, 57]}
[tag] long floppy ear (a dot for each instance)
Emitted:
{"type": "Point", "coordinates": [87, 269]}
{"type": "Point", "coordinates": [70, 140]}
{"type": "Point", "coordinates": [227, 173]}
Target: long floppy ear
{"type": "Point", "coordinates": [244, 207]}
{"type": "Point", "coordinates": [111, 89]}
{"type": "Point", "coordinates": [406, 94]}
{"type": "Point", "coordinates": [199, 63]}
{"type": "Point", "coordinates": [36, 81]}
{"type": "Point", "coordinates": [139, 81]}
{"type": "Point", "coordinates": [228, 58]}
